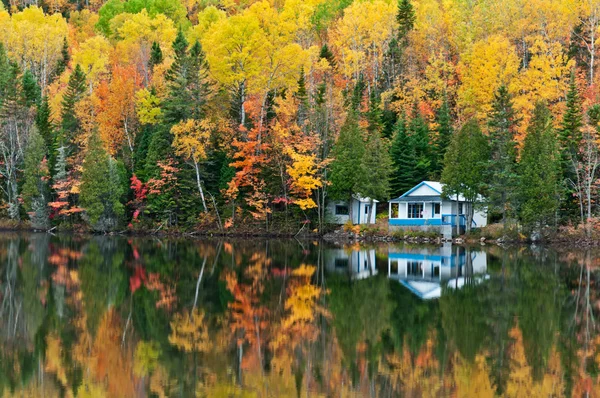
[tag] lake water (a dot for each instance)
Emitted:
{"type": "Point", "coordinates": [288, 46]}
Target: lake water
{"type": "Point", "coordinates": [140, 317]}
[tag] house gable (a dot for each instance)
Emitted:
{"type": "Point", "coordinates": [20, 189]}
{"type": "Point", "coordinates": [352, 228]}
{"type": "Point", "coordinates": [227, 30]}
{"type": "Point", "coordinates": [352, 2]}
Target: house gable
{"type": "Point", "coordinates": [424, 188]}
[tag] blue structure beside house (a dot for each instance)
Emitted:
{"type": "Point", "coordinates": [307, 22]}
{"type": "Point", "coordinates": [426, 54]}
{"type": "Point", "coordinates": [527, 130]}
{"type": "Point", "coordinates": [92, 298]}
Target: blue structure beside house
{"type": "Point", "coordinates": [423, 208]}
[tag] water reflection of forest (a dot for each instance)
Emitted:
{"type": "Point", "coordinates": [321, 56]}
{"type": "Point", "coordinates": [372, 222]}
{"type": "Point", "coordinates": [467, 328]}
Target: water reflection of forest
{"type": "Point", "coordinates": [111, 316]}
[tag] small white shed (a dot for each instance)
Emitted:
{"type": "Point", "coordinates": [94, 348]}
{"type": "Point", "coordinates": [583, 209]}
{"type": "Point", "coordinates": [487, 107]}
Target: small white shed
{"type": "Point", "coordinates": [338, 212]}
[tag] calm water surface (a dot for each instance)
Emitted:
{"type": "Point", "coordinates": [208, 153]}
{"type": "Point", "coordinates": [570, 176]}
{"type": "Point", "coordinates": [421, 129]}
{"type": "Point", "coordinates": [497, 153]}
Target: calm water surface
{"type": "Point", "coordinates": [149, 317]}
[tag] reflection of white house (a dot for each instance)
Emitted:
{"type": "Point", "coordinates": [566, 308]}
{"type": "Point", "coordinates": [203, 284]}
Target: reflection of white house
{"type": "Point", "coordinates": [425, 271]}
{"type": "Point", "coordinates": [423, 208]}
{"type": "Point", "coordinates": [339, 211]}
{"type": "Point", "coordinates": [359, 264]}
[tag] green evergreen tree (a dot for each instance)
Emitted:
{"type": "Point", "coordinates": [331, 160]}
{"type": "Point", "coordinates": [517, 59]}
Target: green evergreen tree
{"type": "Point", "coordinates": [35, 192]}
{"type": "Point", "coordinates": [302, 98]}
{"type": "Point", "coordinates": [32, 93]}
{"type": "Point", "coordinates": [101, 187]}
{"type": "Point", "coordinates": [405, 18]}
{"type": "Point", "coordinates": [465, 170]}
{"type": "Point", "coordinates": [539, 171]}
{"type": "Point", "coordinates": [405, 174]}
{"type": "Point", "coordinates": [374, 114]}
{"type": "Point", "coordinates": [44, 124]}
{"type": "Point", "coordinates": [348, 152]}
{"type": "Point", "coordinates": [444, 132]}
{"type": "Point", "coordinates": [75, 91]}
{"type": "Point", "coordinates": [571, 136]}
{"type": "Point", "coordinates": [356, 96]}
{"type": "Point", "coordinates": [65, 58]}
{"type": "Point", "coordinates": [5, 76]}
{"type": "Point", "coordinates": [373, 179]}
{"type": "Point", "coordinates": [187, 82]}
{"type": "Point", "coordinates": [503, 123]}
{"type": "Point", "coordinates": [418, 132]}
{"type": "Point", "coordinates": [156, 56]}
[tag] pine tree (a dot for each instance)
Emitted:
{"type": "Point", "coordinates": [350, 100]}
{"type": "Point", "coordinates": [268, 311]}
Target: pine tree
{"type": "Point", "coordinates": [302, 98]}
{"type": "Point", "coordinates": [373, 179]}
{"type": "Point", "coordinates": [187, 83]}
{"type": "Point", "coordinates": [347, 153]}
{"type": "Point", "coordinates": [156, 56]}
{"type": "Point", "coordinates": [44, 124]}
{"type": "Point", "coordinates": [374, 114]}
{"type": "Point", "coordinates": [35, 191]}
{"type": "Point", "coordinates": [570, 136]}
{"type": "Point", "coordinates": [503, 123]}
{"type": "Point", "coordinates": [405, 18]}
{"type": "Point", "coordinates": [32, 92]}
{"type": "Point", "coordinates": [356, 97]}
{"type": "Point", "coordinates": [444, 132]}
{"type": "Point", "coordinates": [4, 71]}
{"type": "Point", "coordinates": [418, 132]}
{"type": "Point", "coordinates": [65, 58]}
{"type": "Point", "coordinates": [75, 91]}
{"type": "Point", "coordinates": [539, 171]}
{"type": "Point", "coordinates": [404, 161]}
{"type": "Point", "coordinates": [101, 187]}
{"type": "Point", "coordinates": [465, 170]}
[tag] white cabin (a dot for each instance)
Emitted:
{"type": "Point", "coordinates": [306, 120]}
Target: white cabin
{"type": "Point", "coordinates": [338, 212]}
{"type": "Point", "coordinates": [423, 208]}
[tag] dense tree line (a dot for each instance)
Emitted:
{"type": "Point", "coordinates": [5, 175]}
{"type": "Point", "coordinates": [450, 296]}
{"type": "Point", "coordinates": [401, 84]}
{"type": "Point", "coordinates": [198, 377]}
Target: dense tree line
{"type": "Point", "coordinates": [213, 114]}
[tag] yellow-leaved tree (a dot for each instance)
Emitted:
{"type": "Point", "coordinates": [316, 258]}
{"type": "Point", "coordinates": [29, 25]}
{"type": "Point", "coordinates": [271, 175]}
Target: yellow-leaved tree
{"type": "Point", "coordinates": [190, 140]}
{"type": "Point", "coordinates": [189, 332]}
{"type": "Point", "coordinates": [490, 64]}
{"type": "Point", "coordinates": [34, 40]}
{"type": "Point", "coordinates": [93, 56]}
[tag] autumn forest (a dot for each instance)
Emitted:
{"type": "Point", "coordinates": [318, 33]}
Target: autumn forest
{"type": "Point", "coordinates": [223, 114]}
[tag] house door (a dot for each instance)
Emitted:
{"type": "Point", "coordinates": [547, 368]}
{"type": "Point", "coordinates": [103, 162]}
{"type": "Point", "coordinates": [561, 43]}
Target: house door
{"type": "Point", "coordinates": [367, 214]}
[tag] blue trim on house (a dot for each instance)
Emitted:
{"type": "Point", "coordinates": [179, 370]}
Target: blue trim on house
{"type": "Point", "coordinates": [415, 221]}
{"type": "Point", "coordinates": [415, 291]}
{"type": "Point", "coordinates": [446, 219]}
{"type": "Point", "coordinates": [415, 256]}
{"type": "Point", "coordinates": [417, 187]}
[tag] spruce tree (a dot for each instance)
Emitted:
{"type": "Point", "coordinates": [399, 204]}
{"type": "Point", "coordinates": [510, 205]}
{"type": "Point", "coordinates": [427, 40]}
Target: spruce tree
{"type": "Point", "coordinates": [35, 192]}
{"type": "Point", "coordinates": [465, 170]}
{"type": "Point", "coordinates": [44, 123]}
{"type": "Point", "coordinates": [156, 55]}
{"type": "Point", "coordinates": [302, 98]}
{"type": "Point", "coordinates": [32, 92]}
{"type": "Point", "coordinates": [405, 18]}
{"type": "Point", "coordinates": [418, 132]}
{"type": "Point", "coordinates": [347, 153]}
{"type": "Point", "coordinates": [444, 132]}
{"type": "Point", "coordinates": [373, 179]}
{"type": "Point", "coordinates": [404, 161]}
{"type": "Point", "coordinates": [503, 122]}
{"type": "Point", "coordinates": [65, 58]}
{"type": "Point", "coordinates": [5, 68]}
{"type": "Point", "coordinates": [101, 187]}
{"type": "Point", "coordinates": [187, 83]}
{"type": "Point", "coordinates": [75, 91]}
{"type": "Point", "coordinates": [539, 171]}
{"type": "Point", "coordinates": [570, 136]}
{"type": "Point", "coordinates": [374, 114]}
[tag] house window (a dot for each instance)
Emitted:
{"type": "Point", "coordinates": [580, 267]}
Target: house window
{"type": "Point", "coordinates": [367, 210]}
{"type": "Point", "coordinates": [415, 210]}
{"type": "Point", "coordinates": [341, 263]}
{"type": "Point", "coordinates": [460, 208]}
{"type": "Point", "coordinates": [341, 210]}
{"type": "Point", "coordinates": [436, 209]}
{"type": "Point", "coordinates": [414, 268]}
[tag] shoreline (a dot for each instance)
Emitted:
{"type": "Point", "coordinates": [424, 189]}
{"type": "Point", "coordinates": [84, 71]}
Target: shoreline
{"type": "Point", "coordinates": [338, 237]}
